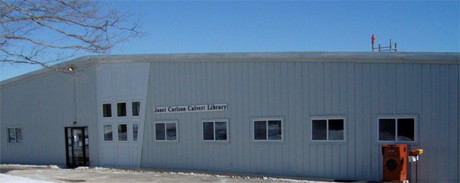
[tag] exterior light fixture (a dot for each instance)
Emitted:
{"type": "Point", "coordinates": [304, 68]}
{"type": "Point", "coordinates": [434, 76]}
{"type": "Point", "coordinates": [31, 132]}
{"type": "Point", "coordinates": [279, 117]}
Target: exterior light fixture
{"type": "Point", "coordinates": [70, 69]}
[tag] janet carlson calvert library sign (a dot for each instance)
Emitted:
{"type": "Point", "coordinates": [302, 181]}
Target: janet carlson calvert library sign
{"type": "Point", "coordinates": [190, 108]}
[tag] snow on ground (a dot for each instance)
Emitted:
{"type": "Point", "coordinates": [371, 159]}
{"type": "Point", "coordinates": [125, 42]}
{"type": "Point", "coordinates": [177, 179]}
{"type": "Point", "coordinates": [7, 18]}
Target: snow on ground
{"type": "Point", "coordinates": [53, 173]}
{"type": "Point", "coordinates": [15, 179]}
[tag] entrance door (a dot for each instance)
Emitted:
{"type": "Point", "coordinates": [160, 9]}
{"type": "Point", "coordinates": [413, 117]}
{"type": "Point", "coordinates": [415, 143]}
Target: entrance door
{"type": "Point", "coordinates": [77, 148]}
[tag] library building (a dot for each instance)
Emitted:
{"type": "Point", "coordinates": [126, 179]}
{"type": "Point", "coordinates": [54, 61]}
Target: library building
{"type": "Point", "coordinates": [368, 116]}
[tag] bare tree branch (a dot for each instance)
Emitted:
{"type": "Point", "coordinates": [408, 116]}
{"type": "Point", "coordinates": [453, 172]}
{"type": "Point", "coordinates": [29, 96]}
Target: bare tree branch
{"type": "Point", "coordinates": [46, 31]}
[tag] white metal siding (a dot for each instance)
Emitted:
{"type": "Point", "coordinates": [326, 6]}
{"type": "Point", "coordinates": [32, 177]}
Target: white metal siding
{"type": "Point", "coordinates": [296, 91]}
{"type": "Point", "coordinates": [43, 106]}
{"type": "Point", "coordinates": [253, 85]}
{"type": "Point", "coordinates": [121, 82]}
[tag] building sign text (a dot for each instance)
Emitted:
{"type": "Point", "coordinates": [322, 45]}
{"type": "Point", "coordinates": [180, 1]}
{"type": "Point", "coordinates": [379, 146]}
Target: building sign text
{"type": "Point", "coordinates": [191, 108]}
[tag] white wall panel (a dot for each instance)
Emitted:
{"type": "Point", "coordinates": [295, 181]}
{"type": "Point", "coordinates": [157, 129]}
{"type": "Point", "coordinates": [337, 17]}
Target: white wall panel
{"type": "Point", "coordinates": [43, 106]}
{"type": "Point", "coordinates": [124, 154]}
{"type": "Point", "coordinates": [122, 83]}
{"type": "Point", "coordinates": [295, 91]}
{"type": "Point", "coordinates": [109, 158]}
{"type": "Point", "coordinates": [136, 78]}
{"type": "Point", "coordinates": [105, 87]}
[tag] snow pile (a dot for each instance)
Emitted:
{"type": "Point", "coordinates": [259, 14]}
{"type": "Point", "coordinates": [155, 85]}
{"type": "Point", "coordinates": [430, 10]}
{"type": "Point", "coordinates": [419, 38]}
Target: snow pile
{"type": "Point", "coordinates": [82, 168]}
{"type": "Point", "coordinates": [54, 167]}
{"type": "Point", "coordinates": [31, 166]}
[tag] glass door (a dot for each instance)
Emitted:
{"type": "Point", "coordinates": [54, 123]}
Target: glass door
{"type": "Point", "coordinates": [77, 148]}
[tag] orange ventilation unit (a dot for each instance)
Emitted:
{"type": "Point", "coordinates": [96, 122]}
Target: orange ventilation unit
{"type": "Point", "coordinates": [394, 162]}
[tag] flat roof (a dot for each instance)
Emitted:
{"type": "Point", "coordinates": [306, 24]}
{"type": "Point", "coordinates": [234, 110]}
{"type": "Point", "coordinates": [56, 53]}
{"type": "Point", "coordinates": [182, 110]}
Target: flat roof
{"type": "Point", "coordinates": [363, 57]}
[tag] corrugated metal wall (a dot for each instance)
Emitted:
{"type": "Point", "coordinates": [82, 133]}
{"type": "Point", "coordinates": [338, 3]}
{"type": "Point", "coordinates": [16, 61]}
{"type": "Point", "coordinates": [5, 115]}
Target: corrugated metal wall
{"type": "Point", "coordinates": [43, 106]}
{"type": "Point", "coordinates": [127, 83]}
{"type": "Point", "coordinates": [359, 92]}
{"type": "Point", "coordinates": [297, 91]}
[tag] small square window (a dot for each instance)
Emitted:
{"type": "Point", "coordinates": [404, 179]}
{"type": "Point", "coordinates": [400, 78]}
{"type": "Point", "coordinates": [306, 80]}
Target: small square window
{"type": "Point", "coordinates": [387, 129]}
{"type": "Point", "coordinates": [220, 130]}
{"type": "Point", "coordinates": [260, 130]}
{"type": "Point", "coordinates": [166, 131]}
{"type": "Point", "coordinates": [122, 132]}
{"type": "Point", "coordinates": [208, 131]}
{"type": "Point", "coordinates": [336, 129]}
{"type": "Point", "coordinates": [274, 130]}
{"type": "Point", "coordinates": [15, 135]}
{"type": "Point", "coordinates": [136, 108]}
{"type": "Point", "coordinates": [406, 129]}
{"type": "Point", "coordinates": [121, 109]}
{"type": "Point", "coordinates": [135, 131]}
{"type": "Point", "coordinates": [215, 130]}
{"type": "Point", "coordinates": [160, 132]}
{"type": "Point", "coordinates": [328, 130]}
{"type": "Point", "coordinates": [319, 129]}
{"type": "Point", "coordinates": [107, 110]}
{"type": "Point", "coordinates": [397, 129]}
{"type": "Point", "coordinates": [270, 130]}
{"type": "Point", "coordinates": [108, 134]}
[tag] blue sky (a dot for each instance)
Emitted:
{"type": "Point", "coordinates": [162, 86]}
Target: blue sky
{"type": "Point", "coordinates": [272, 26]}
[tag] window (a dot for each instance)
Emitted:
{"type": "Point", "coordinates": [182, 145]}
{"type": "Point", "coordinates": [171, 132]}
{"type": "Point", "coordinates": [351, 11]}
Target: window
{"type": "Point", "coordinates": [121, 109]}
{"type": "Point", "coordinates": [108, 134]}
{"type": "Point", "coordinates": [135, 131]}
{"type": "Point", "coordinates": [270, 129]}
{"type": "Point", "coordinates": [106, 110]}
{"type": "Point", "coordinates": [166, 131]}
{"type": "Point", "coordinates": [215, 130]}
{"type": "Point", "coordinates": [328, 130]}
{"type": "Point", "coordinates": [122, 132]}
{"type": "Point", "coordinates": [136, 108]}
{"type": "Point", "coordinates": [15, 135]}
{"type": "Point", "coordinates": [397, 129]}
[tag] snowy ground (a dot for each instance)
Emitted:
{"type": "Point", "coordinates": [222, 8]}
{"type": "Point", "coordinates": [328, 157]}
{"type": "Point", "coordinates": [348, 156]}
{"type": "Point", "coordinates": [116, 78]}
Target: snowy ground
{"type": "Point", "coordinates": [49, 174]}
{"type": "Point", "coordinates": [17, 179]}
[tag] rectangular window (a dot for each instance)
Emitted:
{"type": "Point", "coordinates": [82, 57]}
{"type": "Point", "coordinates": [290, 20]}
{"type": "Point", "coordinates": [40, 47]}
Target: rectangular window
{"type": "Point", "coordinates": [328, 129]}
{"type": "Point", "coordinates": [121, 109]}
{"type": "Point", "coordinates": [397, 129]}
{"type": "Point", "coordinates": [166, 131]}
{"type": "Point", "coordinates": [135, 131]}
{"type": "Point", "coordinates": [270, 129]}
{"type": "Point", "coordinates": [136, 108]}
{"type": "Point", "coordinates": [122, 132]}
{"type": "Point", "coordinates": [107, 110]}
{"type": "Point", "coordinates": [108, 134]}
{"type": "Point", "coordinates": [215, 130]}
{"type": "Point", "coordinates": [319, 128]}
{"type": "Point", "coordinates": [15, 135]}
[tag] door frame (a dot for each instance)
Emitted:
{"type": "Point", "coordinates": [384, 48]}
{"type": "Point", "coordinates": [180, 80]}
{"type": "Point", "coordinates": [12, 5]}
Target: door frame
{"type": "Point", "coordinates": [71, 163]}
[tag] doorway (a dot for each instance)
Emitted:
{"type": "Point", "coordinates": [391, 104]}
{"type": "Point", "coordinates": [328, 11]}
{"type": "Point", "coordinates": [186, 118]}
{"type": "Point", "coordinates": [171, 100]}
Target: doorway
{"type": "Point", "coordinates": [77, 148]}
